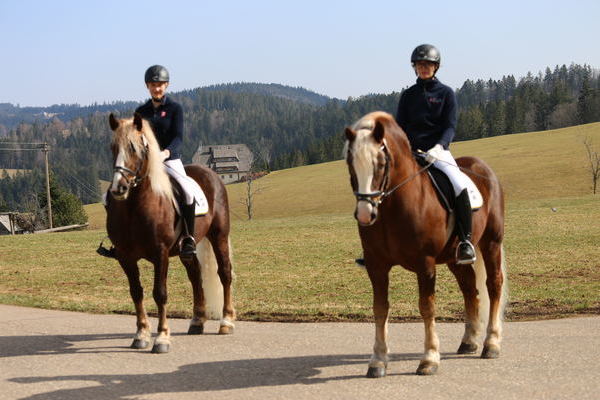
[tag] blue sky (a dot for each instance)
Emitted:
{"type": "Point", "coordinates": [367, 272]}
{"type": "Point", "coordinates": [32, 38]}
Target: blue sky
{"type": "Point", "coordinates": [65, 51]}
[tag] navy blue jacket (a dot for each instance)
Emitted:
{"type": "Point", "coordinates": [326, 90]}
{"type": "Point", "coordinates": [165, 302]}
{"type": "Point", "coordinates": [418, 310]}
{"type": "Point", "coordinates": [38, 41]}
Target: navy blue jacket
{"type": "Point", "coordinates": [167, 124]}
{"type": "Point", "coordinates": [427, 113]}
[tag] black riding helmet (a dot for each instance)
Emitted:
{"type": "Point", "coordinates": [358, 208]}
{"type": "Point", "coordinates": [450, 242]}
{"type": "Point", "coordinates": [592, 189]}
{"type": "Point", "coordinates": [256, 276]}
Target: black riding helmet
{"type": "Point", "coordinates": [156, 73]}
{"type": "Point", "coordinates": [425, 52]}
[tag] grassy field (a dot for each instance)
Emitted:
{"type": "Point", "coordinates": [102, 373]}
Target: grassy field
{"type": "Point", "coordinates": [294, 261]}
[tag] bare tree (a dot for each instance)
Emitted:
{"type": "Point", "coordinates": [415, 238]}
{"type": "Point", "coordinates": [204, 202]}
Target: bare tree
{"type": "Point", "coordinates": [264, 150]}
{"type": "Point", "coordinates": [252, 189]}
{"type": "Point", "coordinates": [594, 159]}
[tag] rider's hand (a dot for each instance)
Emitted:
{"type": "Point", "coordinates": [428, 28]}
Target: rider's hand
{"type": "Point", "coordinates": [434, 153]}
{"type": "Point", "coordinates": [165, 154]}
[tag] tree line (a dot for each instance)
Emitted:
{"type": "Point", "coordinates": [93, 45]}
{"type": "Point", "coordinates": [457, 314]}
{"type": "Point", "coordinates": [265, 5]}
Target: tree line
{"type": "Point", "coordinates": [288, 127]}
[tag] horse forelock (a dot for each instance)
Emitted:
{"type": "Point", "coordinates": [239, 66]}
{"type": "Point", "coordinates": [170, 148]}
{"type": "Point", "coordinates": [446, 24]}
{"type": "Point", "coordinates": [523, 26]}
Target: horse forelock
{"type": "Point", "coordinates": [127, 134]}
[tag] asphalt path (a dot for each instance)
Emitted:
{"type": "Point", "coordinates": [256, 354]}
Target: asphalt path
{"type": "Point", "coordinates": [67, 355]}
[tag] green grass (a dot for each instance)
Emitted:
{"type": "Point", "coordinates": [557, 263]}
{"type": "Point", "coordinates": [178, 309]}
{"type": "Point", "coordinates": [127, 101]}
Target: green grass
{"type": "Point", "coordinates": [294, 261]}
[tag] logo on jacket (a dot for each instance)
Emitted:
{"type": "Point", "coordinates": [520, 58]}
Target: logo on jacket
{"type": "Point", "coordinates": [163, 114]}
{"type": "Point", "coordinates": [434, 100]}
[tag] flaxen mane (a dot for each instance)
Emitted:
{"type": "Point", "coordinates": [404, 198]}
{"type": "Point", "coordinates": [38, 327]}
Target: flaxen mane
{"type": "Point", "coordinates": [127, 135]}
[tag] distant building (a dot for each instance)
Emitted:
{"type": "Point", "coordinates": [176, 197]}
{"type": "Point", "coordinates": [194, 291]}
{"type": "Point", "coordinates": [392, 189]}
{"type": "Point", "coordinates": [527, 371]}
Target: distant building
{"type": "Point", "coordinates": [9, 225]}
{"type": "Point", "coordinates": [231, 161]}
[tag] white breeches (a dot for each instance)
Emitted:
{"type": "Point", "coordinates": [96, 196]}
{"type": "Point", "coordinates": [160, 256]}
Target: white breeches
{"type": "Point", "coordinates": [175, 169]}
{"type": "Point", "coordinates": [447, 165]}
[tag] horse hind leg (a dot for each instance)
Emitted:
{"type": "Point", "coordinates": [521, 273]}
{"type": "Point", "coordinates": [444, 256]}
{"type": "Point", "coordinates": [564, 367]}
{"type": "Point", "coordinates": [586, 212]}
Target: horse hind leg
{"type": "Point", "coordinates": [142, 337]}
{"type": "Point", "coordinates": [497, 288]}
{"type": "Point", "coordinates": [471, 281]}
{"type": "Point", "coordinates": [192, 267]}
{"type": "Point", "coordinates": [219, 291]}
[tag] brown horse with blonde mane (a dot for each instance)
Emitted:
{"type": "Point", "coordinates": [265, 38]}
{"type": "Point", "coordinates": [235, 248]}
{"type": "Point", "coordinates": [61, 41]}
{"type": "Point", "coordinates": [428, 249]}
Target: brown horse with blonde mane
{"type": "Point", "coordinates": [402, 222]}
{"type": "Point", "coordinates": [142, 223]}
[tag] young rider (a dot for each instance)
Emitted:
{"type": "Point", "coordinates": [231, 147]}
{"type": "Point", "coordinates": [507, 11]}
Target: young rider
{"type": "Point", "coordinates": [427, 112]}
{"type": "Point", "coordinates": [166, 118]}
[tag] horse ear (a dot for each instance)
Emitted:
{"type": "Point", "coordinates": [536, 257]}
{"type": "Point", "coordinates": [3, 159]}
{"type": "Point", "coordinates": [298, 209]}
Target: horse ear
{"type": "Point", "coordinates": [378, 132]}
{"type": "Point", "coordinates": [137, 121]}
{"type": "Point", "coordinates": [114, 124]}
{"type": "Point", "coordinates": [350, 134]}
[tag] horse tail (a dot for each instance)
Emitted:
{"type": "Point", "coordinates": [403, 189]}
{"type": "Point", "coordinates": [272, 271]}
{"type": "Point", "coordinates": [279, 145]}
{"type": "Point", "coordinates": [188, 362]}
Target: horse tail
{"type": "Point", "coordinates": [483, 297]}
{"type": "Point", "coordinates": [211, 283]}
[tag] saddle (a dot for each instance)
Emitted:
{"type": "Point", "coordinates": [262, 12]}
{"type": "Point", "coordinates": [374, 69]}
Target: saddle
{"type": "Point", "coordinates": [445, 191]}
{"type": "Point", "coordinates": [196, 191]}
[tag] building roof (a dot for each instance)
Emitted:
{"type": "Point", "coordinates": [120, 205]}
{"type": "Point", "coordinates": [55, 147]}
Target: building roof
{"type": "Point", "coordinates": [209, 156]}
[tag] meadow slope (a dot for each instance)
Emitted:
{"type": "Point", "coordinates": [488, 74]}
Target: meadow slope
{"type": "Point", "coordinates": [294, 260]}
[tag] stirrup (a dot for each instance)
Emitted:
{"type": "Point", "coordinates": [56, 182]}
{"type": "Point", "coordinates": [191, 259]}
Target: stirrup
{"type": "Point", "coordinates": [360, 262]}
{"type": "Point", "coordinates": [104, 252]}
{"type": "Point", "coordinates": [466, 258]}
{"type": "Point", "coordinates": [187, 248]}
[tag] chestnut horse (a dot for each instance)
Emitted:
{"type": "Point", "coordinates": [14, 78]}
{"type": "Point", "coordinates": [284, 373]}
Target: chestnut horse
{"type": "Point", "coordinates": [402, 222]}
{"type": "Point", "coordinates": [142, 222]}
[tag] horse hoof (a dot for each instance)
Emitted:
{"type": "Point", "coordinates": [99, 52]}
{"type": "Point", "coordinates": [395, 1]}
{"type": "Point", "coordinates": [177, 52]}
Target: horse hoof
{"type": "Point", "coordinates": [160, 348]}
{"type": "Point", "coordinates": [140, 344]}
{"type": "Point", "coordinates": [376, 372]}
{"type": "Point", "coordinates": [490, 352]}
{"type": "Point", "coordinates": [427, 368]}
{"type": "Point", "coordinates": [225, 330]}
{"type": "Point", "coordinates": [196, 330]}
{"type": "Point", "coordinates": [467, 348]}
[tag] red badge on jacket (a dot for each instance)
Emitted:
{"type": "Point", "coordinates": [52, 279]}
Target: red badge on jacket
{"type": "Point", "coordinates": [163, 113]}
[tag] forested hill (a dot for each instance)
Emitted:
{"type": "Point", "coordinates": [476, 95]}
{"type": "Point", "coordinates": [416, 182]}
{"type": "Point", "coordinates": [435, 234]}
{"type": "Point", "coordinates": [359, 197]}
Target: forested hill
{"type": "Point", "coordinates": [273, 89]}
{"type": "Point", "coordinates": [11, 115]}
{"type": "Point", "coordinates": [285, 131]}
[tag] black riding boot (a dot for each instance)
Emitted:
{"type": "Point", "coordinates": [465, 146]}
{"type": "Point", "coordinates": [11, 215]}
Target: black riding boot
{"type": "Point", "coordinates": [188, 244]}
{"type": "Point", "coordinates": [465, 252]}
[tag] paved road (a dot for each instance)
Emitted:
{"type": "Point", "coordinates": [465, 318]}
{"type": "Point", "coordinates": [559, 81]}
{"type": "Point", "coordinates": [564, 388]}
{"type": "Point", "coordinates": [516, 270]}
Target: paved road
{"type": "Point", "coordinates": [66, 355]}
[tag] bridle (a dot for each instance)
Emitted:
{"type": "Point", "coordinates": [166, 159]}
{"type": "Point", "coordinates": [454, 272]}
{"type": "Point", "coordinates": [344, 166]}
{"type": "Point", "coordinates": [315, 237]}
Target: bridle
{"type": "Point", "coordinates": [375, 198]}
{"type": "Point", "coordinates": [132, 177]}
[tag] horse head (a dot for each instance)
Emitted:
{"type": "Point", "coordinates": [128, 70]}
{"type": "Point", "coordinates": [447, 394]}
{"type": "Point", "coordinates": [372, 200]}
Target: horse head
{"type": "Point", "coordinates": [136, 156]}
{"type": "Point", "coordinates": [368, 162]}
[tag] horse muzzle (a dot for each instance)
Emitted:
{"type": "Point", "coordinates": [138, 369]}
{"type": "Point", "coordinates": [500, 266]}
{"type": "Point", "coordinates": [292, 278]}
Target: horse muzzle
{"type": "Point", "coordinates": [365, 213]}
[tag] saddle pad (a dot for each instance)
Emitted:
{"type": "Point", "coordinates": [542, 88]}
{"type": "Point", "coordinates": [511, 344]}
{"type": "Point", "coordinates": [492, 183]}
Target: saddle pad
{"type": "Point", "coordinates": [191, 186]}
{"type": "Point", "coordinates": [443, 187]}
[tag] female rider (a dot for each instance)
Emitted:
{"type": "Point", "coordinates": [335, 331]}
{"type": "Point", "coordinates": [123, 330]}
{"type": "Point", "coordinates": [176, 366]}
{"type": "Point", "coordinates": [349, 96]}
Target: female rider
{"type": "Point", "coordinates": [166, 118]}
{"type": "Point", "coordinates": [427, 112]}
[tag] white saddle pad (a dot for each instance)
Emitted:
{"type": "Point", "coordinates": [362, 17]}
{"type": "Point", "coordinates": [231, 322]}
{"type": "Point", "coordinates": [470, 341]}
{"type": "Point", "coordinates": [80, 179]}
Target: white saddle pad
{"type": "Point", "coordinates": [200, 198]}
{"type": "Point", "coordinates": [474, 195]}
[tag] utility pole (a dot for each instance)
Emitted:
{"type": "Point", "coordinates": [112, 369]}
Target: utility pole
{"type": "Point", "coordinates": [45, 149]}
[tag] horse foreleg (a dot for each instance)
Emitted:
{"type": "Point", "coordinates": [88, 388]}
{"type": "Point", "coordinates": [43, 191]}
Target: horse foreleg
{"type": "Point", "coordinates": [431, 359]}
{"type": "Point", "coordinates": [379, 277]}
{"type": "Point", "coordinates": [466, 278]}
{"type": "Point", "coordinates": [496, 285]}
{"type": "Point", "coordinates": [142, 337]}
{"type": "Point", "coordinates": [162, 342]}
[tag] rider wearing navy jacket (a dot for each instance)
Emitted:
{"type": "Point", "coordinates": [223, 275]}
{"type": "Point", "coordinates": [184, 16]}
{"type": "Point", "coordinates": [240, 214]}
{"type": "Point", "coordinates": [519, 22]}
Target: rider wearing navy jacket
{"type": "Point", "coordinates": [427, 112]}
{"type": "Point", "coordinates": [166, 118]}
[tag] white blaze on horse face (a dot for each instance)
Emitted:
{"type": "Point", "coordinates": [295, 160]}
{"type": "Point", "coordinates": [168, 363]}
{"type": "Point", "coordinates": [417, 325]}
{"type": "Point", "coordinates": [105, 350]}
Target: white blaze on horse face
{"type": "Point", "coordinates": [119, 162]}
